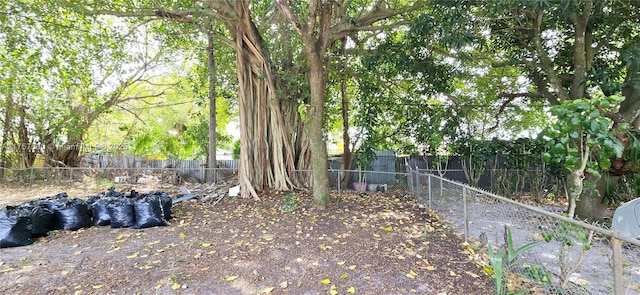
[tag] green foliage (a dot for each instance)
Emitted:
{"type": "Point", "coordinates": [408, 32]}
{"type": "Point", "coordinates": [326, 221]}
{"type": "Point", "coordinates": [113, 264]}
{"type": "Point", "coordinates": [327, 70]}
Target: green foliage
{"type": "Point", "coordinates": [475, 155]}
{"type": "Point", "coordinates": [365, 156]}
{"type": "Point", "coordinates": [504, 260]}
{"type": "Point", "coordinates": [581, 127]}
{"type": "Point", "coordinates": [568, 235]}
{"type": "Point", "coordinates": [236, 149]}
{"type": "Point", "coordinates": [290, 203]}
{"type": "Point", "coordinates": [541, 275]}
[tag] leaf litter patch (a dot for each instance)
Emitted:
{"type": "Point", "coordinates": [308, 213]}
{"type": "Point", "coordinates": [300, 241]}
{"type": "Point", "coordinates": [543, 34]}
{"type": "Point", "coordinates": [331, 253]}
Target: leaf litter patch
{"type": "Point", "coordinates": [363, 244]}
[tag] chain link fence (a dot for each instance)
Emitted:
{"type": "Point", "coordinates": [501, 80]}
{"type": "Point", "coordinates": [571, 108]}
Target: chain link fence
{"type": "Point", "coordinates": [569, 256]}
{"type": "Point", "coordinates": [139, 175]}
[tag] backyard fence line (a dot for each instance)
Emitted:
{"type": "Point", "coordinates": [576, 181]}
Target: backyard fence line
{"type": "Point", "coordinates": [584, 270]}
{"type": "Point", "coordinates": [588, 226]}
{"type": "Point", "coordinates": [576, 266]}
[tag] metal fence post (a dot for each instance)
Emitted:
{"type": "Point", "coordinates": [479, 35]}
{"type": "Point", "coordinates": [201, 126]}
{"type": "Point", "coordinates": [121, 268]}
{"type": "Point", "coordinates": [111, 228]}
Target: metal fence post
{"type": "Point", "coordinates": [418, 196]}
{"type": "Point", "coordinates": [429, 188]}
{"type": "Point", "coordinates": [339, 179]}
{"type": "Point", "coordinates": [410, 181]}
{"type": "Point", "coordinates": [466, 215]}
{"type": "Point", "coordinates": [618, 280]}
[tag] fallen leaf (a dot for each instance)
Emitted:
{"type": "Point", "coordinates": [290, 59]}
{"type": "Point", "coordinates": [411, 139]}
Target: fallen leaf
{"type": "Point", "coordinates": [326, 281]}
{"type": "Point", "coordinates": [206, 245]}
{"type": "Point", "coordinates": [182, 235]}
{"type": "Point", "coordinates": [352, 267]}
{"type": "Point", "coordinates": [64, 272]}
{"type": "Point", "coordinates": [431, 267]}
{"type": "Point", "coordinates": [388, 228]}
{"type": "Point", "coordinates": [324, 247]}
{"type": "Point", "coordinates": [176, 286]}
{"type": "Point", "coordinates": [284, 284]}
{"type": "Point", "coordinates": [97, 286]}
{"type": "Point", "coordinates": [340, 262]}
{"type": "Point", "coordinates": [134, 255]}
{"type": "Point", "coordinates": [411, 274]}
{"type": "Point", "coordinates": [452, 273]}
{"type": "Point", "coordinates": [475, 276]}
{"type": "Point", "coordinates": [158, 286]}
{"type": "Point", "coordinates": [333, 292]}
{"type": "Point", "coordinates": [351, 290]}
{"type": "Point", "coordinates": [144, 267]}
{"type": "Point", "coordinates": [113, 250]}
{"type": "Point", "coordinates": [343, 276]}
{"type": "Point", "coordinates": [231, 278]}
{"type": "Point", "coordinates": [267, 290]}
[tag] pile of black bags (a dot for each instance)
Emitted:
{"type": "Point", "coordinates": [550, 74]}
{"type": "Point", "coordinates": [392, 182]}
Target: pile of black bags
{"type": "Point", "coordinates": [20, 225]}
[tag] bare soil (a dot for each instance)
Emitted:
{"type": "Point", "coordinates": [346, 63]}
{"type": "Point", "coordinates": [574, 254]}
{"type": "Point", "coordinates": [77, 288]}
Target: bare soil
{"type": "Point", "coordinates": [363, 243]}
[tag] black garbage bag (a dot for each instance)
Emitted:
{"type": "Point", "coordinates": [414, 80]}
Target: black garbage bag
{"type": "Point", "coordinates": [73, 215]}
{"type": "Point", "coordinates": [100, 212]}
{"type": "Point", "coordinates": [40, 216]}
{"type": "Point", "coordinates": [15, 230]}
{"type": "Point", "coordinates": [148, 212]}
{"type": "Point", "coordinates": [133, 194]}
{"type": "Point", "coordinates": [111, 193]}
{"type": "Point", "coordinates": [166, 203]}
{"type": "Point", "coordinates": [121, 213]}
{"type": "Point", "coordinates": [53, 203]}
{"type": "Point", "coordinates": [92, 199]}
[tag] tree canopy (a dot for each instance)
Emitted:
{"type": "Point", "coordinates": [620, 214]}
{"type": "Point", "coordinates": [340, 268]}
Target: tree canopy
{"type": "Point", "coordinates": [415, 76]}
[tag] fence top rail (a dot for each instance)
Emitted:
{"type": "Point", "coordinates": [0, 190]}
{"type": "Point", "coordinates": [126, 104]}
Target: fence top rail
{"type": "Point", "coordinates": [572, 221]}
{"type": "Point", "coordinates": [116, 168]}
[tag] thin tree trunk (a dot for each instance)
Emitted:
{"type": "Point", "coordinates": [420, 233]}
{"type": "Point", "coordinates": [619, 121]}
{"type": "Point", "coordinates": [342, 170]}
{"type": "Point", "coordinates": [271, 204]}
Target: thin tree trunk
{"type": "Point", "coordinates": [24, 145]}
{"type": "Point", "coordinates": [346, 139]}
{"type": "Point", "coordinates": [6, 127]}
{"type": "Point", "coordinates": [211, 151]}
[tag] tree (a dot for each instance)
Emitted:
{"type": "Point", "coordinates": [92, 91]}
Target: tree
{"type": "Point", "coordinates": [583, 142]}
{"type": "Point", "coordinates": [78, 74]}
{"type": "Point", "coordinates": [319, 25]}
{"type": "Point", "coordinates": [568, 50]}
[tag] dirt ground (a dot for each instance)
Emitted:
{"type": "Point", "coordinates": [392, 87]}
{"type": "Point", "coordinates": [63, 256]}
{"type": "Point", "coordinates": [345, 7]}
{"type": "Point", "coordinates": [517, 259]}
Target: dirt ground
{"type": "Point", "coordinates": [362, 243]}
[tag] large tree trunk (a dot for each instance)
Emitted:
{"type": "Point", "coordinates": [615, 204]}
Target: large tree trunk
{"type": "Point", "coordinates": [591, 207]}
{"type": "Point", "coordinates": [318, 144]}
{"type": "Point", "coordinates": [266, 157]}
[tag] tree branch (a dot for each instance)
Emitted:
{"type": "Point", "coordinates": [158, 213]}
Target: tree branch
{"type": "Point", "coordinates": [284, 8]}
{"type": "Point", "coordinates": [545, 62]}
{"type": "Point", "coordinates": [512, 96]}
